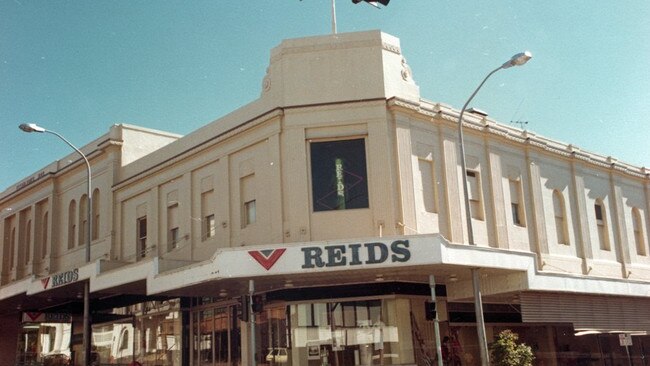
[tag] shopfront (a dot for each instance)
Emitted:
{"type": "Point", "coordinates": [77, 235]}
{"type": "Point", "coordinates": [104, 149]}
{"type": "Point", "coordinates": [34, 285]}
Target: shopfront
{"type": "Point", "coordinates": [383, 325]}
{"type": "Point", "coordinates": [44, 339]}
{"type": "Point", "coordinates": [148, 332]}
{"type": "Point", "coordinates": [215, 332]}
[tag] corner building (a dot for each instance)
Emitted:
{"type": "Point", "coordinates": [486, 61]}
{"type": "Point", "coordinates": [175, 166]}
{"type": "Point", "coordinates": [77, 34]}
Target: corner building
{"type": "Point", "coordinates": [333, 199]}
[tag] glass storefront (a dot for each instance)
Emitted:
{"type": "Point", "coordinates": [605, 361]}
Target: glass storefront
{"type": "Point", "coordinates": [216, 335]}
{"type": "Point", "coordinates": [149, 333]}
{"type": "Point", "coordinates": [363, 332]}
{"type": "Point", "coordinates": [46, 344]}
{"type": "Point", "coordinates": [372, 330]}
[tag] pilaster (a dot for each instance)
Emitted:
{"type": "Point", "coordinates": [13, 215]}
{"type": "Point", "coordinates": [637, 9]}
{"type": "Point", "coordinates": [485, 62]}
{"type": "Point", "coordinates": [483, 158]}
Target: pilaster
{"type": "Point", "coordinates": [452, 194]}
{"type": "Point", "coordinates": [580, 208]}
{"type": "Point", "coordinates": [500, 224]}
{"type": "Point", "coordinates": [537, 203]}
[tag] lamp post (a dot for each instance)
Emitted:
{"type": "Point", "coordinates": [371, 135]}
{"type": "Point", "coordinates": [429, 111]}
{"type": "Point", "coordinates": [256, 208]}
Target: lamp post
{"type": "Point", "coordinates": [32, 127]}
{"type": "Point", "coordinates": [516, 60]}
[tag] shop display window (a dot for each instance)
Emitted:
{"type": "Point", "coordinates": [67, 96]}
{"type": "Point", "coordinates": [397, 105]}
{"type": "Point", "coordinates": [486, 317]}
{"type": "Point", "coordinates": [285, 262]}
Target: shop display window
{"type": "Point", "coordinates": [149, 333]}
{"type": "Point", "coordinates": [44, 344]}
{"type": "Point", "coordinates": [365, 332]}
{"type": "Point", "coordinates": [216, 335]}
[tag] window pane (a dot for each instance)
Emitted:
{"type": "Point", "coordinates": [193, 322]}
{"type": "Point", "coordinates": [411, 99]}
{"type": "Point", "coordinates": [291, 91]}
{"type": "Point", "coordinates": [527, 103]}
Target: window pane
{"type": "Point", "coordinates": [338, 172]}
{"type": "Point", "coordinates": [248, 200]}
{"type": "Point", "coordinates": [428, 185]}
{"type": "Point", "coordinates": [599, 211]}
{"type": "Point", "coordinates": [472, 183]}
{"type": "Point", "coordinates": [515, 214]}
{"type": "Point", "coordinates": [173, 238]}
{"type": "Point", "coordinates": [142, 237]}
{"type": "Point", "coordinates": [250, 212]}
{"type": "Point", "coordinates": [210, 226]}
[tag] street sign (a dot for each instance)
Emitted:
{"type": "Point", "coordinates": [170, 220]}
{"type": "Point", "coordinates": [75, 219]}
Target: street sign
{"type": "Point", "coordinates": [38, 317]}
{"type": "Point", "coordinates": [625, 339]}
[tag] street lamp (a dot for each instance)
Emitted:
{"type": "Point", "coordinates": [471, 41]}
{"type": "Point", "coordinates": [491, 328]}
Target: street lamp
{"type": "Point", "coordinates": [516, 60]}
{"type": "Point", "coordinates": [32, 127]}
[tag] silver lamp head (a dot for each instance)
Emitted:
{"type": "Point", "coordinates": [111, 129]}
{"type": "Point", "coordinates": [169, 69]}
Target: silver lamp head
{"type": "Point", "coordinates": [31, 127]}
{"type": "Point", "coordinates": [518, 59]}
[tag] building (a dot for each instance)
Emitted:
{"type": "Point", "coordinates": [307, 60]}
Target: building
{"type": "Point", "coordinates": [332, 200]}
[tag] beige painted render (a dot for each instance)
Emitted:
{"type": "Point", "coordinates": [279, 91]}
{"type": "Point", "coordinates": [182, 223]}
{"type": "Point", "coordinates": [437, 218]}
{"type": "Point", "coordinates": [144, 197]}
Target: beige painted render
{"type": "Point", "coordinates": [337, 87]}
{"type": "Point", "coordinates": [50, 192]}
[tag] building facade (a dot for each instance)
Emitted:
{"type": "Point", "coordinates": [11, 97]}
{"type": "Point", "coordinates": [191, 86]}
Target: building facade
{"type": "Point", "coordinates": [313, 225]}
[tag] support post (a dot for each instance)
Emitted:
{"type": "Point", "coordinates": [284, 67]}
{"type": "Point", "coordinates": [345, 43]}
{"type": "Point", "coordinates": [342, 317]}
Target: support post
{"type": "Point", "coordinates": [436, 322]}
{"type": "Point", "coordinates": [251, 320]}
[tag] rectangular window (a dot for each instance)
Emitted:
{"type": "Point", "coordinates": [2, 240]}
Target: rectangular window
{"type": "Point", "coordinates": [207, 212]}
{"type": "Point", "coordinates": [516, 203]}
{"type": "Point", "coordinates": [209, 227]}
{"type": "Point", "coordinates": [172, 227]}
{"type": "Point", "coordinates": [174, 238]}
{"type": "Point", "coordinates": [142, 236]}
{"type": "Point", "coordinates": [338, 175]}
{"type": "Point", "coordinates": [637, 228]}
{"type": "Point", "coordinates": [429, 196]}
{"type": "Point", "coordinates": [603, 233]}
{"type": "Point", "coordinates": [474, 193]}
{"type": "Point", "coordinates": [248, 201]}
{"type": "Point", "coordinates": [599, 212]}
{"type": "Point", "coordinates": [249, 212]}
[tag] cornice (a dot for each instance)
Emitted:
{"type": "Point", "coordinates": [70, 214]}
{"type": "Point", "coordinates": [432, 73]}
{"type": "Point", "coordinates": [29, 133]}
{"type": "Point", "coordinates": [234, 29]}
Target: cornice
{"type": "Point", "coordinates": [528, 139]}
{"type": "Point", "coordinates": [206, 144]}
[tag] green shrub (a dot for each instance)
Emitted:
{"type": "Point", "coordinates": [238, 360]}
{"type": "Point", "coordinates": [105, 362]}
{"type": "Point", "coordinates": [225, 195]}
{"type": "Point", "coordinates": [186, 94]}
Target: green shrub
{"type": "Point", "coordinates": [505, 351]}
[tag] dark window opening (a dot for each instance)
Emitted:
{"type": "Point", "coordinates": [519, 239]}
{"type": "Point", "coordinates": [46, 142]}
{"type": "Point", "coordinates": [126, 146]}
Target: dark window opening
{"type": "Point", "coordinates": [599, 211]}
{"type": "Point", "coordinates": [142, 237]}
{"type": "Point", "coordinates": [338, 173]}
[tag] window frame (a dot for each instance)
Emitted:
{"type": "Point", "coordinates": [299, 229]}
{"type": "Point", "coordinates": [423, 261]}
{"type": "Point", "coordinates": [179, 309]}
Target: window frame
{"type": "Point", "coordinates": [637, 229]}
{"type": "Point", "coordinates": [209, 227]}
{"type": "Point", "coordinates": [141, 222]}
{"type": "Point", "coordinates": [326, 197]}
{"type": "Point", "coordinates": [560, 218]}
{"type": "Point", "coordinates": [517, 210]}
{"type": "Point", "coordinates": [602, 230]}
{"type": "Point", "coordinates": [475, 193]}
{"type": "Point", "coordinates": [429, 196]}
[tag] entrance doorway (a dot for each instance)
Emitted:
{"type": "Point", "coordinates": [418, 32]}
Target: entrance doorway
{"type": "Point", "coordinates": [216, 336]}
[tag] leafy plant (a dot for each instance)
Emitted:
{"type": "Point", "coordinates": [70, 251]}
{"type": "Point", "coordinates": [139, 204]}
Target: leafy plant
{"type": "Point", "coordinates": [505, 351]}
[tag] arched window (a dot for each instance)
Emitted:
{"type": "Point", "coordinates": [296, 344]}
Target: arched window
{"type": "Point", "coordinates": [637, 226]}
{"type": "Point", "coordinates": [28, 239]}
{"type": "Point", "coordinates": [559, 211]}
{"type": "Point", "coordinates": [12, 248]}
{"type": "Point", "coordinates": [83, 220]}
{"type": "Point", "coordinates": [601, 222]}
{"type": "Point", "coordinates": [72, 226]}
{"type": "Point", "coordinates": [44, 237]}
{"type": "Point", "coordinates": [95, 214]}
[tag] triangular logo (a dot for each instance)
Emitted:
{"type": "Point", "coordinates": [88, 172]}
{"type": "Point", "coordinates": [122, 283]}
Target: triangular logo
{"type": "Point", "coordinates": [267, 257]}
{"type": "Point", "coordinates": [33, 316]}
{"type": "Point", "coordinates": [45, 281]}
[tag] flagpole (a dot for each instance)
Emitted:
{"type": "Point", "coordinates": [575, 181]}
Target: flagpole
{"type": "Point", "coordinates": [333, 16]}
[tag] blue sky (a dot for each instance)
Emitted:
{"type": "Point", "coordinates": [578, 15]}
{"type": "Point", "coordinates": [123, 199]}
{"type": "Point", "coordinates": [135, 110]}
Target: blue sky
{"type": "Point", "coordinates": [77, 67]}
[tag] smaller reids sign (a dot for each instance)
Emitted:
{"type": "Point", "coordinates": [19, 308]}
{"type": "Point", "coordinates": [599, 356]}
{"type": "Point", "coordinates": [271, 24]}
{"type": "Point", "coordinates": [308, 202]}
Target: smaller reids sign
{"type": "Point", "coordinates": [38, 317]}
{"type": "Point", "coordinates": [60, 279]}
